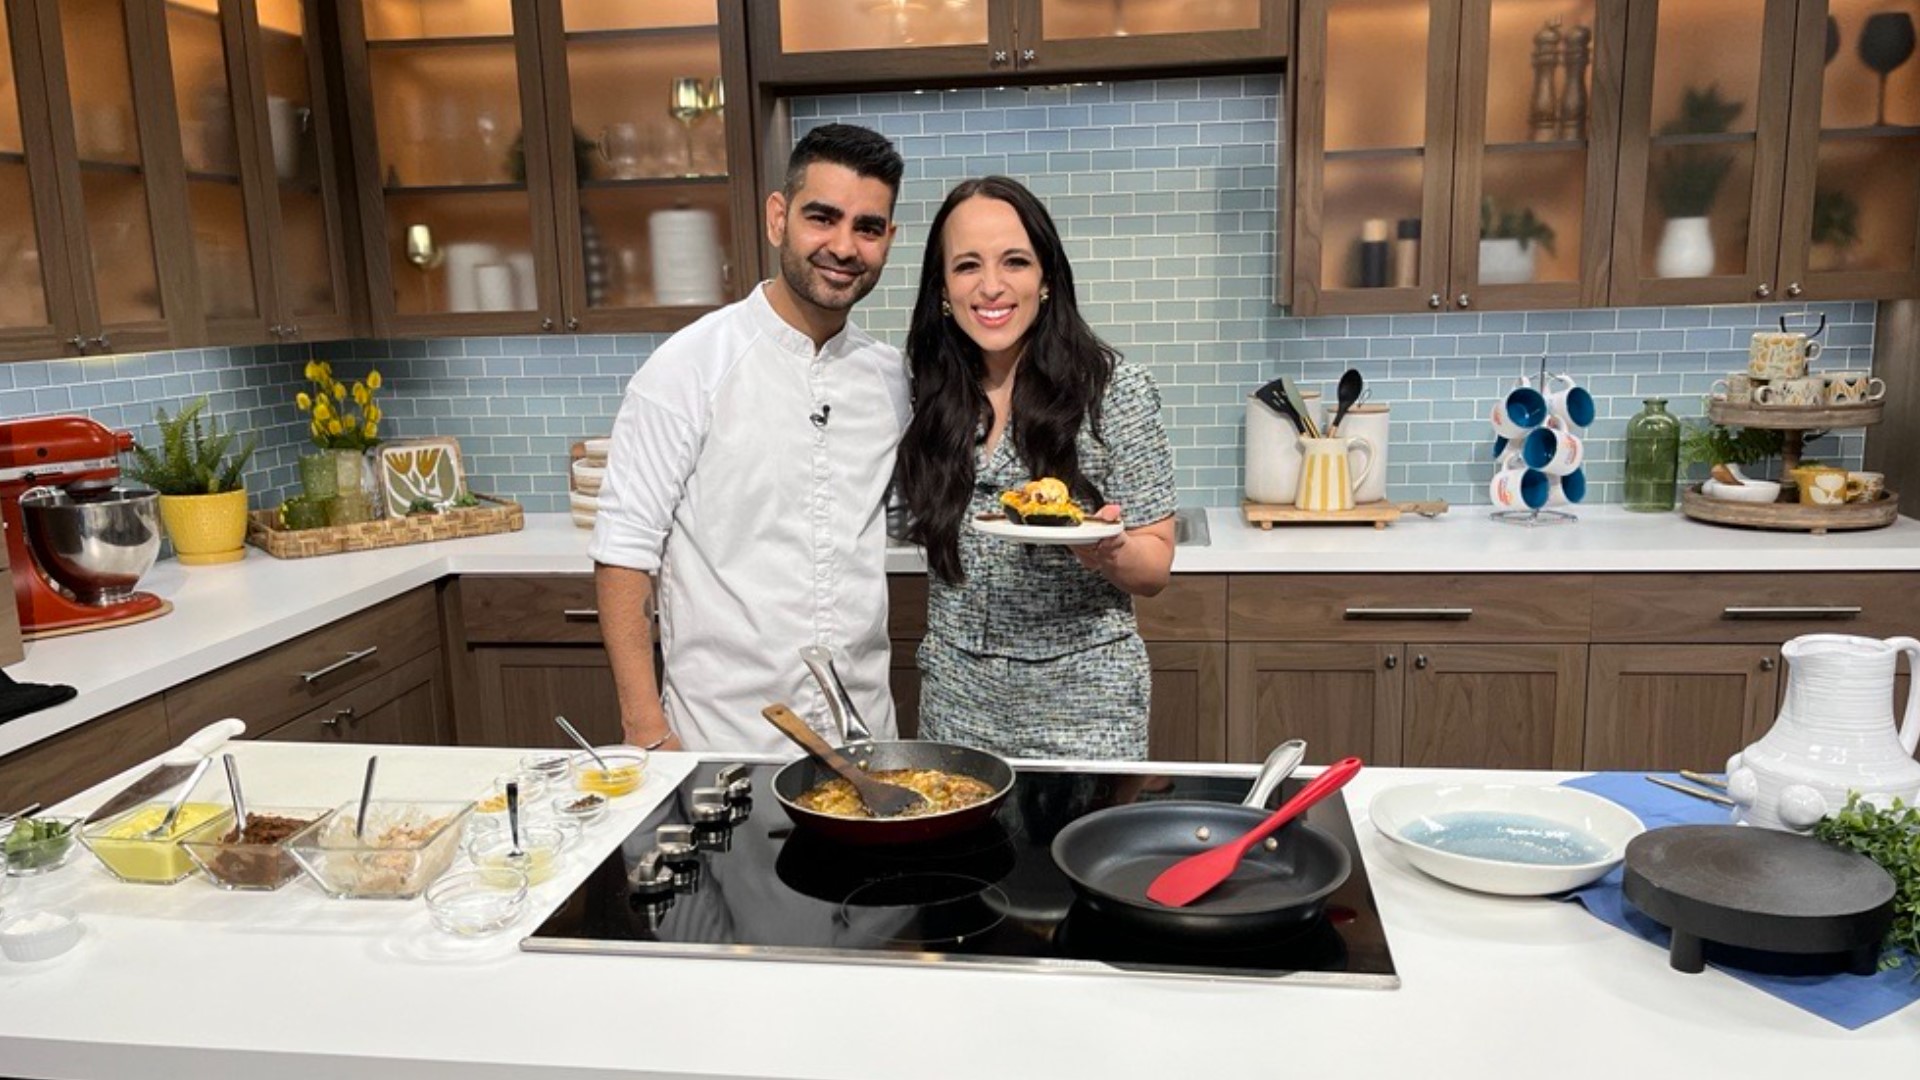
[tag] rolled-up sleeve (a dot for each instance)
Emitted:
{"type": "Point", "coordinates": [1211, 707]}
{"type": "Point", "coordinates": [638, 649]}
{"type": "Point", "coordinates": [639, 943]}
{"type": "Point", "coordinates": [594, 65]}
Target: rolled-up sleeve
{"type": "Point", "coordinates": [653, 452]}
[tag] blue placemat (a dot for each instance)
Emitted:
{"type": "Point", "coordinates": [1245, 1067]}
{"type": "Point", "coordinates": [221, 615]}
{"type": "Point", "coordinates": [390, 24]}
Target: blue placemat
{"type": "Point", "coordinates": [1852, 1001]}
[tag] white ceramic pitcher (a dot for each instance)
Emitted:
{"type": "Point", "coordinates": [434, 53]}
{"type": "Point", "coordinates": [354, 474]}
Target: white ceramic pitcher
{"type": "Point", "coordinates": [1835, 734]}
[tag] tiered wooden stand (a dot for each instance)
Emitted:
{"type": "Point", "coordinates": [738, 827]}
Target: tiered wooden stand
{"type": "Point", "coordinates": [1794, 422]}
{"type": "Point", "coordinates": [1379, 514]}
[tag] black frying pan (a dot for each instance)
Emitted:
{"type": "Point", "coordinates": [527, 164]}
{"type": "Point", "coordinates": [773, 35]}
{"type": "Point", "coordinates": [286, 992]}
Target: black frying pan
{"type": "Point", "coordinates": [796, 778]}
{"type": "Point", "coordinates": [1112, 855]}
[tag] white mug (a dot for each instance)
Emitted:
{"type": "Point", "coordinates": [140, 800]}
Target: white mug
{"type": "Point", "coordinates": [1273, 453]}
{"type": "Point", "coordinates": [1736, 388]}
{"type": "Point", "coordinates": [1572, 404]}
{"type": "Point", "coordinates": [1806, 390]}
{"type": "Point", "coordinates": [1553, 450]}
{"type": "Point", "coordinates": [1326, 480]}
{"type": "Point", "coordinates": [1516, 487]}
{"type": "Point", "coordinates": [1568, 489]}
{"type": "Point", "coordinates": [1519, 411]}
{"type": "Point", "coordinates": [1853, 388]}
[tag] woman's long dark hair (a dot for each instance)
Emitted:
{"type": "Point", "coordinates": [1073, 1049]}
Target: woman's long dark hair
{"type": "Point", "coordinates": [1063, 373]}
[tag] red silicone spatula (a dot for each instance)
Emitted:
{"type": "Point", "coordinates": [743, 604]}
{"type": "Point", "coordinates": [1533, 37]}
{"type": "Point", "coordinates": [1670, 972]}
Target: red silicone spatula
{"type": "Point", "coordinates": [1196, 875]}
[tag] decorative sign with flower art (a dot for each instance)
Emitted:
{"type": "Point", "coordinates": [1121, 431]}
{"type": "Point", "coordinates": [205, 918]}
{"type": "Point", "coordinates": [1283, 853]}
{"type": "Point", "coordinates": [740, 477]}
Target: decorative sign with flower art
{"type": "Point", "coordinates": [421, 475]}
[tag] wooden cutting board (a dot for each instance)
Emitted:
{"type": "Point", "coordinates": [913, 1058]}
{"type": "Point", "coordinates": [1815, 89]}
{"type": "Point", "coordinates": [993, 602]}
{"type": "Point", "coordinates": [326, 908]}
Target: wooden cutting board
{"type": "Point", "coordinates": [1379, 515]}
{"type": "Point", "coordinates": [1758, 889]}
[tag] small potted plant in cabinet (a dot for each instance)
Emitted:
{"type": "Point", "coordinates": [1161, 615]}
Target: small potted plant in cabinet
{"type": "Point", "coordinates": [1509, 242]}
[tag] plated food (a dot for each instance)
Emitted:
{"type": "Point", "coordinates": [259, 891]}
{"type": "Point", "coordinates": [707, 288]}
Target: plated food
{"type": "Point", "coordinates": [1045, 502]}
{"type": "Point", "coordinates": [943, 791]}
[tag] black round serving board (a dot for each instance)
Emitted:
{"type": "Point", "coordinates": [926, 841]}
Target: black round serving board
{"type": "Point", "coordinates": [1758, 889]}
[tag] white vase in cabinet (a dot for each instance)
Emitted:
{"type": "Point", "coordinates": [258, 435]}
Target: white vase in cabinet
{"type": "Point", "coordinates": [1506, 262]}
{"type": "Point", "coordinates": [1686, 248]}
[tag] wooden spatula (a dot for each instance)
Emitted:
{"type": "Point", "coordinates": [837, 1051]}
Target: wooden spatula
{"type": "Point", "coordinates": [882, 798]}
{"type": "Point", "coordinates": [1196, 875]}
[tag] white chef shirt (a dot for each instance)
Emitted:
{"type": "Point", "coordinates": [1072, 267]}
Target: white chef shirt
{"type": "Point", "coordinates": [749, 473]}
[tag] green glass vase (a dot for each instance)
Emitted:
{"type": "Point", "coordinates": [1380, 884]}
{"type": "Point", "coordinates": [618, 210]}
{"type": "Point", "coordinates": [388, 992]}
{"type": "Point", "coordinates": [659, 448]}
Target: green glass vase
{"type": "Point", "coordinates": [1653, 458]}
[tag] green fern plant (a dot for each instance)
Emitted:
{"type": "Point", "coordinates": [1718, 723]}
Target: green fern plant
{"type": "Point", "coordinates": [1498, 223]}
{"type": "Point", "coordinates": [192, 458]}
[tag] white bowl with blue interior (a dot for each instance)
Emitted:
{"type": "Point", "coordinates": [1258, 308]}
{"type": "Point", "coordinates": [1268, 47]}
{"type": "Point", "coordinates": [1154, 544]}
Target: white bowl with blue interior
{"type": "Point", "coordinates": [1510, 839]}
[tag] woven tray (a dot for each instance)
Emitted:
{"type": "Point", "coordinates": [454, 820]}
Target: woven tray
{"type": "Point", "coordinates": [491, 516]}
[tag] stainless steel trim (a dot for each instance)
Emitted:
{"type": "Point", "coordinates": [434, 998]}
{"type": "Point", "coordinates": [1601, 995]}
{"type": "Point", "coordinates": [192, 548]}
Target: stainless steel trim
{"type": "Point", "coordinates": [53, 469]}
{"type": "Point", "coordinates": [350, 658]}
{"type": "Point", "coordinates": [1837, 611]}
{"type": "Point", "coordinates": [580, 614]}
{"type": "Point", "coordinates": [1422, 614]}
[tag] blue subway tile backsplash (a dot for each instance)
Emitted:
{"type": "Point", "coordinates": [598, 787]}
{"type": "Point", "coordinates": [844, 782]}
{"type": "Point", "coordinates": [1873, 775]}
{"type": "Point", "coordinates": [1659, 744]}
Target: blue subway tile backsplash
{"type": "Point", "coordinates": [1167, 193]}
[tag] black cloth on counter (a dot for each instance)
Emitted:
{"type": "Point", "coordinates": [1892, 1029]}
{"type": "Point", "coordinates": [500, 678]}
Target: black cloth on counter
{"type": "Point", "coordinates": [17, 699]}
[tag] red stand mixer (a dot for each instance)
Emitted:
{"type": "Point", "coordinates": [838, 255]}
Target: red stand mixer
{"type": "Point", "coordinates": [58, 582]}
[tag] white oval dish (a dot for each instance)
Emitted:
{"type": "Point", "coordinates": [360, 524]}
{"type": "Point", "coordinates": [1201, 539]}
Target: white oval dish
{"type": "Point", "coordinates": [1752, 491]}
{"type": "Point", "coordinates": [1087, 532]}
{"type": "Point", "coordinates": [1423, 819]}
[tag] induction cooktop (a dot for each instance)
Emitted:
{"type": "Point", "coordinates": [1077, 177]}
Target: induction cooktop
{"type": "Point", "coordinates": [720, 871]}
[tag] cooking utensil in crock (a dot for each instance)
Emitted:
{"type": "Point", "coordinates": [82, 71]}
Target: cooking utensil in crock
{"type": "Point", "coordinates": [1197, 875]}
{"type": "Point", "coordinates": [1280, 887]}
{"type": "Point", "coordinates": [1274, 396]}
{"type": "Point", "coordinates": [884, 800]}
{"type": "Point", "coordinates": [1351, 385]}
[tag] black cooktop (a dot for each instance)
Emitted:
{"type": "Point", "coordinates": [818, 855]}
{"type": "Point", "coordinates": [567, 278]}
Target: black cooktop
{"type": "Point", "coordinates": [742, 882]}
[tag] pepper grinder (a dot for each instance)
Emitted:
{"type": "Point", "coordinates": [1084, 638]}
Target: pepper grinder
{"type": "Point", "coordinates": [1544, 116]}
{"type": "Point", "coordinates": [1573, 98]}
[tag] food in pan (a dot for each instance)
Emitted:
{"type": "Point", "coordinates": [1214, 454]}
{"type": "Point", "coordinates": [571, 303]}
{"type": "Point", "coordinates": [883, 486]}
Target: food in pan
{"type": "Point", "coordinates": [1045, 501]}
{"type": "Point", "coordinates": [944, 791]}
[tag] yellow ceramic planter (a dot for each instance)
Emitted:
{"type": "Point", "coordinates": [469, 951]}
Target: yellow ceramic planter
{"type": "Point", "coordinates": [206, 528]}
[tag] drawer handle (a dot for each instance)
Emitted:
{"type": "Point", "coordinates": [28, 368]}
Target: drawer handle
{"type": "Point", "coordinates": [350, 658]}
{"type": "Point", "coordinates": [1423, 614]}
{"type": "Point", "coordinates": [338, 716]}
{"type": "Point", "coordinates": [581, 614]}
{"type": "Point", "coordinates": [1835, 612]}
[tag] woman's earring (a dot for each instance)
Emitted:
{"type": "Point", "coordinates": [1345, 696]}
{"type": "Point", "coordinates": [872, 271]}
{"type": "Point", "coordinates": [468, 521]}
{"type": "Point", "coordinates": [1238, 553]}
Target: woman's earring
{"type": "Point", "coordinates": [1044, 293]}
{"type": "Point", "coordinates": [946, 309]}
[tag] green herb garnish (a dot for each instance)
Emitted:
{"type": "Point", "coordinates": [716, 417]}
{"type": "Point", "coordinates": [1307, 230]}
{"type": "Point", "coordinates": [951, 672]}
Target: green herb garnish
{"type": "Point", "coordinates": [1890, 837]}
{"type": "Point", "coordinates": [36, 843]}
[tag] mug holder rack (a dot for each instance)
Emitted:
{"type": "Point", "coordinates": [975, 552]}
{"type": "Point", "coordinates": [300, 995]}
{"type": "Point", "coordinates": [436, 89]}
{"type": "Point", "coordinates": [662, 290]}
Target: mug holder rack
{"type": "Point", "coordinates": [1532, 518]}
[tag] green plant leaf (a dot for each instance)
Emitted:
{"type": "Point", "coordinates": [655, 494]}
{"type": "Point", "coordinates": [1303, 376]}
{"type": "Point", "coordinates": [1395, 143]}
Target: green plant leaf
{"type": "Point", "coordinates": [1891, 838]}
{"type": "Point", "coordinates": [192, 458]}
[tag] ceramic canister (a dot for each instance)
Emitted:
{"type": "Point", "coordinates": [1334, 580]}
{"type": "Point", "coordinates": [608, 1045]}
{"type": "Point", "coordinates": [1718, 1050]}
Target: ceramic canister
{"type": "Point", "coordinates": [1273, 452]}
{"type": "Point", "coordinates": [1327, 482]}
{"type": "Point", "coordinates": [1369, 421]}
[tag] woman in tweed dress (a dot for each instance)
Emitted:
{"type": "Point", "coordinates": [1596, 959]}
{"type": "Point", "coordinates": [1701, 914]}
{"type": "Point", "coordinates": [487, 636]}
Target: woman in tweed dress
{"type": "Point", "coordinates": [1030, 651]}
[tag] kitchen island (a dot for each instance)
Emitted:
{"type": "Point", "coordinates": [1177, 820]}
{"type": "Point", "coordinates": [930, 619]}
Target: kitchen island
{"type": "Point", "coordinates": [188, 980]}
{"type": "Point", "coordinates": [223, 614]}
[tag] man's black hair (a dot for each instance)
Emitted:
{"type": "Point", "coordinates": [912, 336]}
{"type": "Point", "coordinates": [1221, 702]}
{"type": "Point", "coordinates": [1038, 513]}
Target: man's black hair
{"type": "Point", "coordinates": [867, 153]}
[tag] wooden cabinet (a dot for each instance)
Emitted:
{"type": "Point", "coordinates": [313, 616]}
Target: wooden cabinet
{"type": "Point", "coordinates": [407, 706]}
{"type": "Point", "coordinates": [37, 316]}
{"type": "Point", "coordinates": [1760, 157]}
{"type": "Point", "coordinates": [1341, 697]}
{"type": "Point", "coordinates": [526, 649]}
{"type": "Point", "coordinates": [1677, 706]}
{"type": "Point", "coordinates": [74, 760]}
{"type": "Point", "coordinates": [864, 42]}
{"type": "Point", "coordinates": [520, 168]}
{"type": "Point", "coordinates": [1431, 172]}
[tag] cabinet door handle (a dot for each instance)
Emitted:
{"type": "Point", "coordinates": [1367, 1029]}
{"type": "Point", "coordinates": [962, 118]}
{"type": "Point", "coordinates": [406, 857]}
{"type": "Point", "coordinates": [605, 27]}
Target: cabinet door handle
{"type": "Point", "coordinates": [1794, 289]}
{"type": "Point", "coordinates": [573, 322]}
{"type": "Point", "coordinates": [999, 57]}
{"type": "Point", "coordinates": [79, 343]}
{"type": "Point", "coordinates": [338, 716]}
{"type": "Point", "coordinates": [1393, 661]}
{"type": "Point", "coordinates": [1765, 290]}
{"type": "Point", "coordinates": [581, 614]}
{"type": "Point", "coordinates": [1464, 300]}
{"type": "Point", "coordinates": [1420, 661]}
{"type": "Point", "coordinates": [1433, 301]}
{"type": "Point", "coordinates": [1421, 614]}
{"type": "Point", "coordinates": [1028, 56]}
{"type": "Point", "coordinates": [546, 324]}
{"type": "Point", "coordinates": [102, 342]}
{"type": "Point", "coordinates": [1766, 663]}
{"type": "Point", "coordinates": [350, 658]}
{"type": "Point", "coordinates": [1832, 612]}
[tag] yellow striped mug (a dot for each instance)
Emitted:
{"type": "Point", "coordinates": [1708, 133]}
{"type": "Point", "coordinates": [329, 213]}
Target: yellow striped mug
{"type": "Point", "coordinates": [1326, 480]}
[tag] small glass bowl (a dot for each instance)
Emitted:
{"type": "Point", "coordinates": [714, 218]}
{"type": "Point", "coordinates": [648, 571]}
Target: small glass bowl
{"type": "Point", "coordinates": [252, 865]}
{"type": "Point", "coordinates": [22, 940]}
{"type": "Point", "coordinates": [585, 807]}
{"type": "Point", "coordinates": [25, 858]}
{"type": "Point", "coordinates": [626, 767]}
{"type": "Point", "coordinates": [540, 848]}
{"type": "Point", "coordinates": [122, 846]}
{"type": "Point", "coordinates": [533, 789]}
{"type": "Point", "coordinates": [404, 847]}
{"type": "Point", "coordinates": [473, 903]}
{"type": "Point", "coordinates": [554, 766]}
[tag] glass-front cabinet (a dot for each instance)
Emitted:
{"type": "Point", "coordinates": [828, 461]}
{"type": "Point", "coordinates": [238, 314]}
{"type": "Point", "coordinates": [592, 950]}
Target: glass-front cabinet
{"type": "Point", "coordinates": [1703, 140]}
{"type": "Point", "coordinates": [872, 42]}
{"type": "Point", "coordinates": [36, 314]}
{"type": "Point", "coordinates": [1451, 156]}
{"type": "Point", "coordinates": [543, 166]}
{"type": "Point", "coordinates": [1851, 225]}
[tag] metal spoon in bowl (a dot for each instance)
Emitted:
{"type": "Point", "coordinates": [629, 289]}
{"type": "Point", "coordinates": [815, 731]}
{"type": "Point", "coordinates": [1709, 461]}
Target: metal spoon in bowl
{"type": "Point", "coordinates": [239, 804]}
{"type": "Point", "coordinates": [165, 827]}
{"type": "Point", "coordinates": [366, 796]}
{"type": "Point", "coordinates": [513, 819]}
{"type": "Point", "coordinates": [584, 744]}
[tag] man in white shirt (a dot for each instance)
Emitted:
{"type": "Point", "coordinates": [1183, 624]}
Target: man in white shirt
{"type": "Point", "coordinates": [748, 476]}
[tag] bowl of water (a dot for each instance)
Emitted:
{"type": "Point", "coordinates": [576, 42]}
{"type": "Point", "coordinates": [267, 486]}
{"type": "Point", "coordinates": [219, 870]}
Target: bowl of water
{"type": "Point", "coordinates": [1509, 839]}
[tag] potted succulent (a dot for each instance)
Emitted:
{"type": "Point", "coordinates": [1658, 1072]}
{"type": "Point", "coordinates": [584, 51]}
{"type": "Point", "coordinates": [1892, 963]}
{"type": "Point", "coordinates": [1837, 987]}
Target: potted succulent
{"type": "Point", "coordinates": [1687, 178]}
{"type": "Point", "coordinates": [1508, 239]}
{"type": "Point", "coordinates": [1836, 228]}
{"type": "Point", "coordinates": [202, 500]}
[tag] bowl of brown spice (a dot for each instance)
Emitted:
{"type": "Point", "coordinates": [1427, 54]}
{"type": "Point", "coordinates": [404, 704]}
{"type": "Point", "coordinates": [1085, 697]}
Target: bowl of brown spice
{"type": "Point", "coordinates": [253, 856]}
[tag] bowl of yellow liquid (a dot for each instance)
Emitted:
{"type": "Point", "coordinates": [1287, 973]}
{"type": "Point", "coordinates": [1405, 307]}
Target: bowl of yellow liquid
{"type": "Point", "coordinates": [618, 772]}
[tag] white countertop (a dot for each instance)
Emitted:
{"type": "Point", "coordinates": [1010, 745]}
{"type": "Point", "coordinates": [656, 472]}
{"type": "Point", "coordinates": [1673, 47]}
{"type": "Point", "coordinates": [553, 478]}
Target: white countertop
{"type": "Point", "coordinates": [189, 980]}
{"type": "Point", "coordinates": [224, 613]}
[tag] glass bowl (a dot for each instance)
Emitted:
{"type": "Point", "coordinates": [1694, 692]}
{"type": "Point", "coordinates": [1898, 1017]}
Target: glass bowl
{"type": "Point", "coordinates": [540, 848]}
{"type": "Point", "coordinates": [404, 847]}
{"type": "Point", "coordinates": [39, 844]}
{"type": "Point", "coordinates": [626, 767]}
{"type": "Point", "coordinates": [122, 846]}
{"type": "Point", "coordinates": [40, 934]}
{"type": "Point", "coordinates": [472, 903]}
{"type": "Point", "coordinates": [584, 807]}
{"type": "Point", "coordinates": [258, 859]}
{"type": "Point", "coordinates": [554, 766]}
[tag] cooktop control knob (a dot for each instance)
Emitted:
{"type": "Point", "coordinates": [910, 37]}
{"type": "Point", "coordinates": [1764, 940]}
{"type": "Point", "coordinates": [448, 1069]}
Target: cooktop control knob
{"type": "Point", "coordinates": [652, 878]}
{"type": "Point", "coordinates": [680, 854]}
{"type": "Point", "coordinates": [709, 809]}
{"type": "Point", "coordinates": [737, 780]}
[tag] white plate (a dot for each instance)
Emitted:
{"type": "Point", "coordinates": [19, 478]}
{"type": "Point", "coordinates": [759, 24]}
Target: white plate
{"type": "Point", "coordinates": [1417, 817]}
{"type": "Point", "coordinates": [1087, 532]}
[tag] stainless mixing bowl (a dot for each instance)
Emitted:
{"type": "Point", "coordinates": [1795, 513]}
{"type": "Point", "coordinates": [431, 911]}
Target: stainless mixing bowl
{"type": "Point", "coordinates": [96, 548]}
